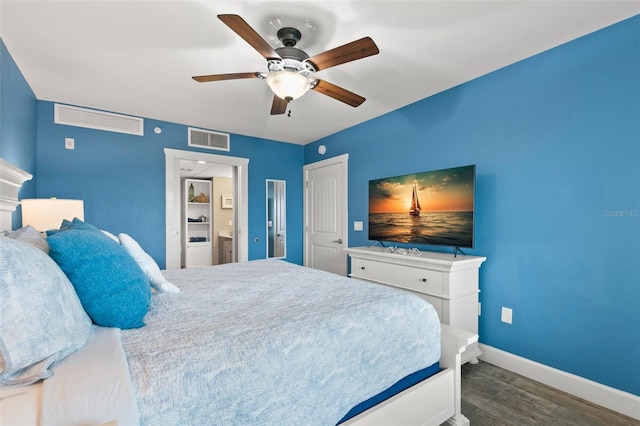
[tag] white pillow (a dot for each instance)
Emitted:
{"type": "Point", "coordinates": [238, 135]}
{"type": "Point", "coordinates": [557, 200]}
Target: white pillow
{"type": "Point", "coordinates": [147, 264]}
{"type": "Point", "coordinates": [42, 318]}
{"type": "Point", "coordinates": [110, 235]}
{"type": "Point", "coordinates": [31, 236]}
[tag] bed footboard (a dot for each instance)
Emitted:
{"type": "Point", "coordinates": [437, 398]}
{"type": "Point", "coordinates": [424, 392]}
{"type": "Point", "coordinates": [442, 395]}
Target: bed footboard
{"type": "Point", "coordinates": [429, 402]}
{"type": "Point", "coordinates": [432, 401]}
{"type": "Point", "coordinates": [454, 342]}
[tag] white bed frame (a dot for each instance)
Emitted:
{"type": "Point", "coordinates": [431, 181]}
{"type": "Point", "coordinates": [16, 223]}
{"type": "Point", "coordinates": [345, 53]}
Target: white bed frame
{"type": "Point", "coordinates": [434, 400]}
{"type": "Point", "coordinates": [431, 402]}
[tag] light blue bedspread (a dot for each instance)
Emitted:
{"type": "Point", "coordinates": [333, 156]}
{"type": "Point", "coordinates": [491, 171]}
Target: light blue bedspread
{"type": "Point", "coordinates": [267, 342]}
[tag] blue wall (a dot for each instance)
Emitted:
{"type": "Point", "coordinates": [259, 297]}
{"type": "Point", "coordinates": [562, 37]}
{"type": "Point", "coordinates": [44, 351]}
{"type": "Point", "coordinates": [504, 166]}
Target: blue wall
{"type": "Point", "coordinates": [18, 116]}
{"type": "Point", "coordinates": [121, 178]}
{"type": "Point", "coordinates": [556, 141]}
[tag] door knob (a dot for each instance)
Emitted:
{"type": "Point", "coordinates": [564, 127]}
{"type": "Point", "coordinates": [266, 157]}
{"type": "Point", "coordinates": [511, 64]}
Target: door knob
{"type": "Point", "coordinates": [339, 241]}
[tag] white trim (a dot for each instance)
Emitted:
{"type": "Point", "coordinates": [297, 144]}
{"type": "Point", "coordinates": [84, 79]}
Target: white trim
{"type": "Point", "coordinates": [611, 398]}
{"type": "Point", "coordinates": [172, 201]}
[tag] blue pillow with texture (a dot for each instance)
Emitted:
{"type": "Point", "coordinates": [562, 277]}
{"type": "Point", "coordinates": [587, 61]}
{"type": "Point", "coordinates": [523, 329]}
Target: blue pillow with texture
{"type": "Point", "coordinates": [111, 286]}
{"type": "Point", "coordinates": [42, 319]}
{"type": "Point", "coordinates": [73, 224]}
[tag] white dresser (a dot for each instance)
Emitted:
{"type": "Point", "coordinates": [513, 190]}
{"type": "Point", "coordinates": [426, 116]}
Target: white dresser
{"type": "Point", "coordinates": [449, 283]}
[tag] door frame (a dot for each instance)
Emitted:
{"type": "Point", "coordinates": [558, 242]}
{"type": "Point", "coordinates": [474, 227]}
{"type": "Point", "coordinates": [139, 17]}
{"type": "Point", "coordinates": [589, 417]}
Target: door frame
{"type": "Point", "coordinates": [343, 160]}
{"type": "Point", "coordinates": [172, 202]}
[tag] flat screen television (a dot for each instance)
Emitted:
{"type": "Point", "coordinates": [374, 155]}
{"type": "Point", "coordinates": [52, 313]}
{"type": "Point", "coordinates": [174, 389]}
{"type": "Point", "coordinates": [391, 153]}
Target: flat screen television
{"type": "Point", "coordinates": [430, 208]}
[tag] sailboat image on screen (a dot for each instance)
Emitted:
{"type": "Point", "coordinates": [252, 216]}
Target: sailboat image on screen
{"type": "Point", "coordinates": [415, 204]}
{"type": "Point", "coordinates": [442, 217]}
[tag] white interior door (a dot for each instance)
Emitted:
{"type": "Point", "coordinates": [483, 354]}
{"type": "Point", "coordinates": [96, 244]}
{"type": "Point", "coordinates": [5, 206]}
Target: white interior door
{"type": "Point", "coordinates": [326, 214]}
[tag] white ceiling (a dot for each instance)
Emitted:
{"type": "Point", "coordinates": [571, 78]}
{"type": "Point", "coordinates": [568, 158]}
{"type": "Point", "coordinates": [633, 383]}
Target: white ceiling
{"type": "Point", "coordinates": [204, 170]}
{"type": "Point", "coordinates": [137, 57]}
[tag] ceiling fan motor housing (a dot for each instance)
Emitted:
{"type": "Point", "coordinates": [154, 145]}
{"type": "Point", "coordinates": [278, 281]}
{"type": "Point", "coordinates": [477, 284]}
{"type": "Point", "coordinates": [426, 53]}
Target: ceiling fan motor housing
{"type": "Point", "coordinates": [292, 53]}
{"type": "Point", "coordinates": [292, 57]}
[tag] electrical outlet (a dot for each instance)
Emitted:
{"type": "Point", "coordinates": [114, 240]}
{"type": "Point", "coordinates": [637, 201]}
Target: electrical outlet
{"type": "Point", "coordinates": [507, 315]}
{"type": "Point", "coordinates": [69, 143]}
{"type": "Point", "coordinates": [358, 225]}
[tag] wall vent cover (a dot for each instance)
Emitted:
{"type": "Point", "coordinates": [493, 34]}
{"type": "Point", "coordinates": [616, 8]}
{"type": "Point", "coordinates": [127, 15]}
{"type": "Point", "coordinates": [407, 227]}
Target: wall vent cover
{"type": "Point", "coordinates": [209, 139]}
{"type": "Point", "coordinates": [93, 119]}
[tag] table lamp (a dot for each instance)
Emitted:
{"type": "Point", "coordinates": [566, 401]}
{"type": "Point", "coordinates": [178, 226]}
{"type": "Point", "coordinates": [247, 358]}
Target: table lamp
{"type": "Point", "coordinates": [47, 213]}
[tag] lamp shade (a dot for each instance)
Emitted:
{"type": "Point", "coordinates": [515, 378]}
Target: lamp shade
{"type": "Point", "coordinates": [288, 85]}
{"type": "Point", "coordinates": [47, 213]}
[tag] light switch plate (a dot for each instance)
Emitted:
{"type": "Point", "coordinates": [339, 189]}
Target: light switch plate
{"type": "Point", "coordinates": [358, 225]}
{"type": "Point", "coordinates": [507, 315]}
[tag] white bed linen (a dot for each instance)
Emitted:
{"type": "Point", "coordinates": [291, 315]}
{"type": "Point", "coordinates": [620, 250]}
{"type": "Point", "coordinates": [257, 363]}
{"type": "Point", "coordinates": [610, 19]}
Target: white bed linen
{"type": "Point", "coordinates": [20, 405]}
{"type": "Point", "coordinates": [92, 386]}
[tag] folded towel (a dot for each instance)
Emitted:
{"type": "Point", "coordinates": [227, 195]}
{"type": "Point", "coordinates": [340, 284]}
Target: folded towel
{"type": "Point", "coordinates": [198, 239]}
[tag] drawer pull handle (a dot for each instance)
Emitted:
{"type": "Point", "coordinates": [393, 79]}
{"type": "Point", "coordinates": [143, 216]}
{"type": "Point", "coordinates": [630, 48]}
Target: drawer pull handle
{"type": "Point", "coordinates": [424, 280]}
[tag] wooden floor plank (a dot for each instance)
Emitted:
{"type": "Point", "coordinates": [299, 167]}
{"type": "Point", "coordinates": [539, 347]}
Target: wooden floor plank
{"type": "Point", "coordinates": [493, 396]}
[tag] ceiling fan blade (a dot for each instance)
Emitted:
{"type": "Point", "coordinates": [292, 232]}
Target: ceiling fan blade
{"type": "Point", "coordinates": [248, 34]}
{"type": "Point", "coordinates": [336, 92]}
{"type": "Point", "coordinates": [279, 106]}
{"type": "Point", "coordinates": [346, 53]}
{"type": "Point", "coordinates": [220, 77]}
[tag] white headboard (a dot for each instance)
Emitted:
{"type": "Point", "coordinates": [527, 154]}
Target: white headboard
{"type": "Point", "coordinates": [11, 180]}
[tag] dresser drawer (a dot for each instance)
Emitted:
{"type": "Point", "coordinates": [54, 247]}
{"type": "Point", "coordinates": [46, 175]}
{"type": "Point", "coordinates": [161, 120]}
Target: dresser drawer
{"type": "Point", "coordinates": [416, 279]}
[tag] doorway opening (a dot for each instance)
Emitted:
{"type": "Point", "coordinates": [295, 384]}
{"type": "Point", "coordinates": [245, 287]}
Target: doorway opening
{"type": "Point", "coordinates": [175, 160]}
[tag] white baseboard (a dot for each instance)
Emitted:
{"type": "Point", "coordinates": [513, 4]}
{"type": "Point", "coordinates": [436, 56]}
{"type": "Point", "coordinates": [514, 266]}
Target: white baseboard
{"type": "Point", "coordinates": [611, 398]}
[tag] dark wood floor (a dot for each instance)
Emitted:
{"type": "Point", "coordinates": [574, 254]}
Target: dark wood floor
{"type": "Point", "coordinates": [493, 396]}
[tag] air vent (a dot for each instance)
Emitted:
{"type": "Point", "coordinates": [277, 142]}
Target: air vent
{"type": "Point", "coordinates": [208, 139]}
{"type": "Point", "coordinates": [92, 119]}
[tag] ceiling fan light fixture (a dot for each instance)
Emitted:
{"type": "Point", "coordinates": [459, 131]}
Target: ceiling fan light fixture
{"type": "Point", "coordinates": [288, 85]}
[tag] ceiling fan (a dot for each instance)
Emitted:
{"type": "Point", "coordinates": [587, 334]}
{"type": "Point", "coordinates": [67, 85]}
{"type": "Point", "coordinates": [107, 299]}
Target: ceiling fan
{"type": "Point", "coordinates": [290, 70]}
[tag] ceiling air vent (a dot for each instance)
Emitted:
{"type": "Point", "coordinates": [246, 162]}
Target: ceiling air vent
{"type": "Point", "coordinates": [208, 139]}
{"type": "Point", "coordinates": [92, 119]}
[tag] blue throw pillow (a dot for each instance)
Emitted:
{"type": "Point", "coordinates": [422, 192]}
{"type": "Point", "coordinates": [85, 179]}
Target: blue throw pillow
{"type": "Point", "coordinates": [112, 288]}
{"type": "Point", "coordinates": [74, 224]}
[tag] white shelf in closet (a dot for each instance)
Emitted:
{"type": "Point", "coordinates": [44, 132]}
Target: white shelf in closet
{"type": "Point", "coordinates": [196, 253]}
